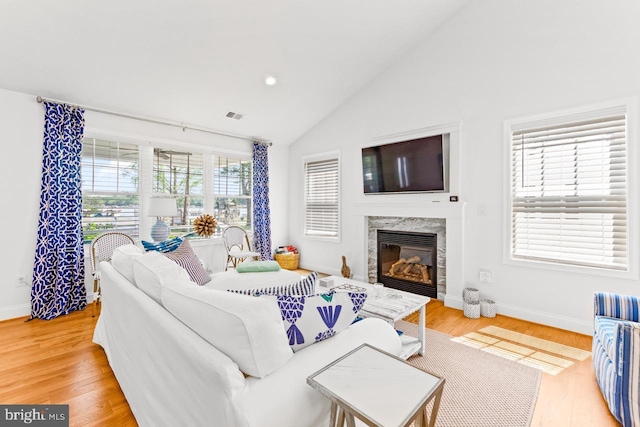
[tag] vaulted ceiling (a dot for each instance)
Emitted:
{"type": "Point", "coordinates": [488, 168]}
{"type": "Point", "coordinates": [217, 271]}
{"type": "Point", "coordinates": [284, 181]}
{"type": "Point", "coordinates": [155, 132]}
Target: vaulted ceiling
{"type": "Point", "coordinates": [192, 61]}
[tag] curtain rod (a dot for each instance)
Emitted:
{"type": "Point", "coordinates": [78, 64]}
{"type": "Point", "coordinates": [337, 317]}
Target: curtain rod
{"type": "Point", "coordinates": [151, 120]}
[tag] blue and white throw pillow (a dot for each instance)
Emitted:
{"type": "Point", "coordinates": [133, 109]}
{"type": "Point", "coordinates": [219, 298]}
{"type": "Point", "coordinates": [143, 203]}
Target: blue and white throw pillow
{"type": "Point", "coordinates": [164, 246]}
{"type": "Point", "coordinates": [313, 318]}
{"type": "Point", "coordinates": [305, 286]}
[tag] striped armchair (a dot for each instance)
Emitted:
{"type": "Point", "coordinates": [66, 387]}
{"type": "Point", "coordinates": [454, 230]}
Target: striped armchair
{"type": "Point", "coordinates": [616, 354]}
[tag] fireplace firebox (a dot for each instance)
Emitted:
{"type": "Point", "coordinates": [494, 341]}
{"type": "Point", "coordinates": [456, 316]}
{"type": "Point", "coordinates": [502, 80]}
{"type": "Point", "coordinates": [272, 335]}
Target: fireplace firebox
{"type": "Point", "coordinates": [408, 261]}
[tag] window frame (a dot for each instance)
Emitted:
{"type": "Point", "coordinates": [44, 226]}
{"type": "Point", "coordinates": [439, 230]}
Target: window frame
{"type": "Point", "coordinates": [159, 168]}
{"type": "Point", "coordinates": [331, 155]}
{"type": "Point", "coordinates": [629, 105]}
{"type": "Point", "coordinates": [214, 195]}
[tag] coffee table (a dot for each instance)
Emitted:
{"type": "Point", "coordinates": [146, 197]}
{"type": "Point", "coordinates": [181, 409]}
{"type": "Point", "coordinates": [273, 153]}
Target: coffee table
{"type": "Point", "coordinates": [392, 306]}
{"type": "Point", "coordinates": [379, 389]}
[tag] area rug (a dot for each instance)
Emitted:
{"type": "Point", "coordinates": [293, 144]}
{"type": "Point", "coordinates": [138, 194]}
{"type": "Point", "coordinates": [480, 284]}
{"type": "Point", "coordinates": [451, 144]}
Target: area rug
{"type": "Point", "coordinates": [481, 389]}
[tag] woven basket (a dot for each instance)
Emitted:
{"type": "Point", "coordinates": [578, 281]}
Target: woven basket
{"type": "Point", "coordinates": [288, 261]}
{"type": "Point", "coordinates": [472, 309]}
{"type": "Point", "coordinates": [471, 295]}
{"type": "Point", "coordinates": [487, 308]}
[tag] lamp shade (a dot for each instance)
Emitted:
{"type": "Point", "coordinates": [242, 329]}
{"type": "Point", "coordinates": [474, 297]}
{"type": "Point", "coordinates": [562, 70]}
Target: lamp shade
{"type": "Point", "coordinates": [162, 207]}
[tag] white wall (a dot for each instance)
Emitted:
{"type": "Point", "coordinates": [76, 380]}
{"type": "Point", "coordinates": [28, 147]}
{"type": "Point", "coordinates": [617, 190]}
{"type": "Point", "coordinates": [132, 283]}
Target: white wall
{"type": "Point", "coordinates": [497, 59]}
{"type": "Point", "coordinates": [21, 135]}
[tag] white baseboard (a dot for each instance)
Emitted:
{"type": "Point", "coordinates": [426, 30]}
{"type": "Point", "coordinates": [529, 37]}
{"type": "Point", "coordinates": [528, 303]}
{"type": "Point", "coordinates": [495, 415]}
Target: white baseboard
{"type": "Point", "coordinates": [23, 310]}
{"type": "Point", "coordinates": [15, 311]}
{"type": "Point", "coordinates": [544, 318]}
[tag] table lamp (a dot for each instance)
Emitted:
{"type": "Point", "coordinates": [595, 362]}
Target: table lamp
{"type": "Point", "coordinates": [161, 207]}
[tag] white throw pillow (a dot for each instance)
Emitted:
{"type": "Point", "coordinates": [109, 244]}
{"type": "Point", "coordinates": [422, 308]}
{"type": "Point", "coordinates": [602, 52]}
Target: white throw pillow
{"type": "Point", "coordinates": [314, 318]}
{"type": "Point", "coordinates": [247, 329]}
{"type": "Point", "coordinates": [153, 270]}
{"type": "Point", "coordinates": [122, 260]}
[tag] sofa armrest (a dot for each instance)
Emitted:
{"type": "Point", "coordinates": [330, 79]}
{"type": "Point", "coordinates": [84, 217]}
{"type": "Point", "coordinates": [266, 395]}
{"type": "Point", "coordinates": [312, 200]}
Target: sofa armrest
{"type": "Point", "coordinates": [627, 336]}
{"type": "Point", "coordinates": [626, 307]}
{"type": "Point", "coordinates": [627, 342]}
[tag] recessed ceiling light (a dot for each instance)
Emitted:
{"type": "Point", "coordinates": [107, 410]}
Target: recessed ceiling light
{"type": "Point", "coordinates": [270, 81]}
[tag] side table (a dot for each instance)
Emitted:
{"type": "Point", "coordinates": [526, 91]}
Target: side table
{"type": "Point", "coordinates": [378, 388]}
{"type": "Point", "coordinates": [392, 306]}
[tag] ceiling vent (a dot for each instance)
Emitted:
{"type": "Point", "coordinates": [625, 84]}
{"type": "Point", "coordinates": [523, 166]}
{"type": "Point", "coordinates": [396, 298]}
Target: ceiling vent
{"type": "Point", "coordinates": [232, 115]}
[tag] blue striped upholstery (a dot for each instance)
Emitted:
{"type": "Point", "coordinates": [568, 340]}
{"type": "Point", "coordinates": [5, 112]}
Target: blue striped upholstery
{"type": "Point", "coordinates": [616, 354]}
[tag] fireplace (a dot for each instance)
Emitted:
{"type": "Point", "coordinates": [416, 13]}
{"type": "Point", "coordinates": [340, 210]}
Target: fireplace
{"type": "Point", "coordinates": [408, 261]}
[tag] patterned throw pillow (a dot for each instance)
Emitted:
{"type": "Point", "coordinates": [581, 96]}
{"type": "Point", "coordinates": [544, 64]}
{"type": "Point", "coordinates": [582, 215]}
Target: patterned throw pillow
{"type": "Point", "coordinates": [305, 286]}
{"type": "Point", "coordinates": [184, 256]}
{"type": "Point", "coordinates": [313, 318]}
{"type": "Point", "coordinates": [164, 246]}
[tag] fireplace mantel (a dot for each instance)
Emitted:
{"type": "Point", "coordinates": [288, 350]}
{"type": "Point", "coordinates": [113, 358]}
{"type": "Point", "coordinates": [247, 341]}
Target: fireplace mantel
{"type": "Point", "coordinates": [416, 210]}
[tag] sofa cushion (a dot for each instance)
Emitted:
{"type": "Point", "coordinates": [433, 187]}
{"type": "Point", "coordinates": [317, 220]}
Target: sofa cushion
{"type": "Point", "coordinates": [248, 330]}
{"type": "Point", "coordinates": [310, 319]}
{"type": "Point", "coordinates": [305, 286]}
{"type": "Point", "coordinates": [168, 245]}
{"type": "Point", "coordinates": [257, 266]}
{"type": "Point", "coordinates": [122, 260]}
{"type": "Point", "coordinates": [184, 256]}
{"type": "Point", "coordinates": [153, 270]}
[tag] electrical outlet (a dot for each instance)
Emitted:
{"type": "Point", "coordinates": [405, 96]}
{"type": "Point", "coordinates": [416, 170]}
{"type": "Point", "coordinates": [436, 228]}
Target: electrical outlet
{"type": "Point", "coordinates": [485, 276]}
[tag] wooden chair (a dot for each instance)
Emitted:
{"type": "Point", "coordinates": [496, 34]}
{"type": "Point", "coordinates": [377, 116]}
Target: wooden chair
{"type": "Point", "coordinates": [102, 248]}
{"type": "Point", "coordinates": [235, 238]}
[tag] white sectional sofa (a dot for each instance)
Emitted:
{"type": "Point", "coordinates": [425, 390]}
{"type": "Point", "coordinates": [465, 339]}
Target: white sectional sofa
{"type": "Point", "coordinates": [173, 376]}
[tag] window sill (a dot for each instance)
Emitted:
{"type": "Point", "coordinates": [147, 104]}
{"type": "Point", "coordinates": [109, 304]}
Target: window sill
{"type": "Point", "coordinates": [630, 274]}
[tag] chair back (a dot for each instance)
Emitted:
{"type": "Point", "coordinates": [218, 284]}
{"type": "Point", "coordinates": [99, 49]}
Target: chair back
{"type": "Point", "coordinates": [235, 236]}
{"type": "Point", "coordinates": [103, 245]}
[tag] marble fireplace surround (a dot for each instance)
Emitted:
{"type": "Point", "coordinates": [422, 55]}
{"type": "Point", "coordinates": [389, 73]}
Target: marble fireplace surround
{"type": "Point", "coordinates": [446, 219]}
{"type": "Point", "coordinates": [418, 225]}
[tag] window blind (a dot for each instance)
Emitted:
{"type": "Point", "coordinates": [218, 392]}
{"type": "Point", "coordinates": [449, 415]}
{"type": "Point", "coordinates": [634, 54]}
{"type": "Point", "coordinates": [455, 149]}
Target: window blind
{"type": "Point", "coordinates": [233, 188]}
{"type": "Point", "coordinates": [322, 198]}
{"type": "Point", "coordinates": [569, 192]}
{"type": "Point", "coordinates": [110, 199]}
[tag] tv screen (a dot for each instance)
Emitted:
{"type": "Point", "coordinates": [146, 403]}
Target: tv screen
{"type": "Point", "coordinates": [416, 165]}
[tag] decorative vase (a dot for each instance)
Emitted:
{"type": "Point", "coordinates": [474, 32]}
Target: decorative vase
{"type": "Point", "coordinates": [346, 271]}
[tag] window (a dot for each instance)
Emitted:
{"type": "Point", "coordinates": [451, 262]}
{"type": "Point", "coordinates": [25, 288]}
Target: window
{"type": "Point", "coordinates": [569, 190]}
{"type": "Point", "coordinates": [180, 173]}
{"type": "Point", "coordinates": [322, 196]}
{"type": "Point", "coordinates": [118, 178]}
{"type": "Point", "coordinates": [232, 189]}
{"type": "Point", "coordinates": [109, 188]}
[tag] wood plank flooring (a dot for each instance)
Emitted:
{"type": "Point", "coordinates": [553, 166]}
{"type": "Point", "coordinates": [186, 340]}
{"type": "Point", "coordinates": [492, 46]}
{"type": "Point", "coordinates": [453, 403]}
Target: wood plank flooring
{"type": "Point", "coordinates": [56, 362]}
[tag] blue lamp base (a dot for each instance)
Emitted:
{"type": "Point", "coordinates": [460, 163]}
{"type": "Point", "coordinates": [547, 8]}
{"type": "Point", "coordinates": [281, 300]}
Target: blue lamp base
{"type": "Point", "coordinates": [159, 231]}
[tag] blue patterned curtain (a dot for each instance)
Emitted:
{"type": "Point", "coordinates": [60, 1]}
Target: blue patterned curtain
{"type": "Point", "coordinates": [58, 272]}
{"type": "Point", "coordinates": [261, 212]}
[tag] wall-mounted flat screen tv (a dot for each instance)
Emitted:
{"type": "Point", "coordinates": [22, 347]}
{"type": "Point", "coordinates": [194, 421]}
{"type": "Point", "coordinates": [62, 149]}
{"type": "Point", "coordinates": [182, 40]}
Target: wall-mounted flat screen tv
{"type": "Point", "coordinates": [412, 166]}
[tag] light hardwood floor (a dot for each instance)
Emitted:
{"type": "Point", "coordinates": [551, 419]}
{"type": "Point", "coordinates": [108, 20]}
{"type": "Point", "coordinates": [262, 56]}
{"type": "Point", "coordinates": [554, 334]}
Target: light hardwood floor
{"type": "Point", "coordinates": [55, 362]}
